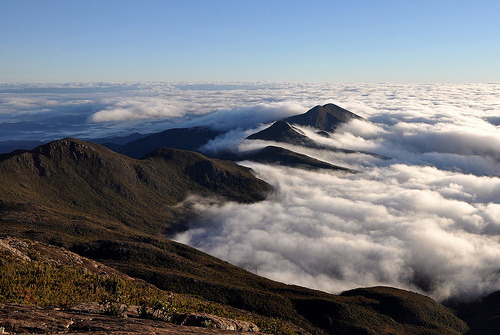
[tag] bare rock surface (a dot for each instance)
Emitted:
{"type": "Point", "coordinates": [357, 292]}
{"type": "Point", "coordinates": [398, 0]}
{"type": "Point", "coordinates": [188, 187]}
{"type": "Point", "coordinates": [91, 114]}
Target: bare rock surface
{"type": "Point", "coordinates": [24, 319]}
{"type": "Point", "coordinates": [207, 320]}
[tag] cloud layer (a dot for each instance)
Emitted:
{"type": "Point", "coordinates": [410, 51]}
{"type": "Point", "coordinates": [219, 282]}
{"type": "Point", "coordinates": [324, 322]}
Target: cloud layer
{"type": "Point", "coordinates": [426, 219]}
{"type": "Point", "coordinates": [407, 226]}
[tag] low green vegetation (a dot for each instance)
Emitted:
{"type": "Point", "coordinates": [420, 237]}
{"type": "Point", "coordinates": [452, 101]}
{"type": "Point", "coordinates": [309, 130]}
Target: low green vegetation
{"type": "Point", "coordinates": [57, 285]}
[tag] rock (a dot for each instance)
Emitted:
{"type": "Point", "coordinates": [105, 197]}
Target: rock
{"type": "Point", "coordinates": [23, 319]}
{"type": "Point", "coordinates": [212, 321]}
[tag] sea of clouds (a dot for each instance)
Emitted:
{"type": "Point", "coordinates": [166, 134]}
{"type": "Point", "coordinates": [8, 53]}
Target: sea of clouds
{"type": "Point", "coordinates": [426, 219]}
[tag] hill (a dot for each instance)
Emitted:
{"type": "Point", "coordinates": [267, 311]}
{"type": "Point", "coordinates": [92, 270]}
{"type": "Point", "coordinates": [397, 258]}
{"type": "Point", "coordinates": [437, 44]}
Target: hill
{"type": "Point", "coordinates": [280, 156]}
{"type": "Point", "coordinates": [179, 138]}
{"type": "Point", "coordinates": [69, 175]}
{"type": "Point", "coordinates": [281, 131]}
{"type": "Point", "coordinates": [117, 210]}
{"type": "Point", "coordinates": [326, 117]}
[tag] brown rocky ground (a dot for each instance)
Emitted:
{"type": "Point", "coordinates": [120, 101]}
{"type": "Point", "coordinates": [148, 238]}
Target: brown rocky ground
{"type": "Point", "coordinates": [25, 319]}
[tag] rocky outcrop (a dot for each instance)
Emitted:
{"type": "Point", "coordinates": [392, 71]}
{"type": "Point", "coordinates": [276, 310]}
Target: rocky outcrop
{"type": "Point", "coordinates": [212, 321]}
{"type": "Point", "coordinates": [25, 319]}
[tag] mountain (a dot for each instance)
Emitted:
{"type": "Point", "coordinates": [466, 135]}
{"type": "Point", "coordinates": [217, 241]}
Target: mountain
{"type": "Point", "coordinates": [281, 131]}
{"type": "Point", "coordinates": [179, 138]}
{"type": "Point", "coordinates": [284, 132]}
{"type": "Point", "coordinates": [8, 146]}
{"type": "Point", "coordinates": [120, 140]}
{"type": "Point", "coordinates": [118, 211]}
{"type": "Point", "coordinates": [72, 180]}
{"type": "Point", "coordinates": [482, 314]}
{"type": "Point", "coordinates": [326, 117]}
{"type": "Point", "coordinates": [322, 117]}
{"type": "Point", "coordinates": [280, 156]}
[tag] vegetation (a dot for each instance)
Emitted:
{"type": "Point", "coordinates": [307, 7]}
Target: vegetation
{"type": "Point", "coordinates": [43, 282]}
{"type": "Point", "coordinates": [117, 210]}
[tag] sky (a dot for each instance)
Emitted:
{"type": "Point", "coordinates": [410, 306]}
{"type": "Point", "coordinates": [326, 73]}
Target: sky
{"type": "Point", "coordinates": [304, 41]}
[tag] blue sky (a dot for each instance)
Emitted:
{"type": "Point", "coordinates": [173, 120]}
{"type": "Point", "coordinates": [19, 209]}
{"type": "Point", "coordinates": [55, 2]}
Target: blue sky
{"type": "Point", "coordinates": [333, 41]}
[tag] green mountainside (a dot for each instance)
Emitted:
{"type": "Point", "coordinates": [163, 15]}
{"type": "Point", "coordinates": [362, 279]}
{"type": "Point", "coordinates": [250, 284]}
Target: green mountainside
{"type": "Point", "coordinates": [119, 211]}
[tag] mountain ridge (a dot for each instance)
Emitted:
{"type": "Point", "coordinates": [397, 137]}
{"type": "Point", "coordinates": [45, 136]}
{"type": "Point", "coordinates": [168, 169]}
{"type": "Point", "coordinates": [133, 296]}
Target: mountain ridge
{"type": "Point", "coordinates": [179, 138]}
{"type": "Point", "coordinates": [80, 195]}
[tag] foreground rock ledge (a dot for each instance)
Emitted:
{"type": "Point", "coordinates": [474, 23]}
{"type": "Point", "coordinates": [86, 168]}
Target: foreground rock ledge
{"type": "Point", "coordinates": [24, 319]}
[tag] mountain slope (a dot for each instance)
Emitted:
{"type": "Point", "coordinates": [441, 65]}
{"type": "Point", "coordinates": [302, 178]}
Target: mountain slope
{"type": "Point", "coordinates": [85, 180]}
{"type": "Point", "coordinates": [281, 131]}
{"type": "Point", "coordinates": [481, 314]}
{"type": "Point", "coordinates": [46, 276]}
{"type": "Point", "coordinates": [178, 138]}
{"type": "Point", "coordinates": [280, 156]}
{"type": "Point", "coordinates": [326, 117]}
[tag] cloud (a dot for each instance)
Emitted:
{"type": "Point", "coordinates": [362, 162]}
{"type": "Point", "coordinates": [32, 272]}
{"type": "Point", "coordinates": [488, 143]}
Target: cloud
{"type": "Point", "coordinates": [249, 117]}
{"type": "Point", "coordinates": [19, 104]}
{"type": "Point", "coordinates": [137, 109]}
{"type": "Point", "coordinates": [407, 226]}
{"type": "Point", "coordinates": [427, 219]}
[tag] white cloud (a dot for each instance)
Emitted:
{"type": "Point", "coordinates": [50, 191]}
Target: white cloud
{"type": "Point", "coordinates": [397, 225]}
{"type": "Point", "coordinates": [249, 117]}
{"type": "Point", "coordinates": [138, 108]}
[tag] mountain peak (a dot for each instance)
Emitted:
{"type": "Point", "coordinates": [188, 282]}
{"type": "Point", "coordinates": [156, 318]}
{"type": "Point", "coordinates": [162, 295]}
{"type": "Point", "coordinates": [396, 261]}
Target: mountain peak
{"type": "Point", "coordinates": [326, 117]}
{"type": "Point", "coordinates": [280, 131]}
{"type": "Point", "coordinates": [67, 145]}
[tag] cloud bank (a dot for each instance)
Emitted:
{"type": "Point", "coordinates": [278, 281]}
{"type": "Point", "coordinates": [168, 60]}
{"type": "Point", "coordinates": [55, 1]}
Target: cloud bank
{"type": "Point", "coordinates": [406, 226]}
{"type": "Point", "coordinates": [426, 219]}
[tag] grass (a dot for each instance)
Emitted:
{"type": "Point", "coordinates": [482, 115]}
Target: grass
{"type": "Point", "coordinates": [45, 284]}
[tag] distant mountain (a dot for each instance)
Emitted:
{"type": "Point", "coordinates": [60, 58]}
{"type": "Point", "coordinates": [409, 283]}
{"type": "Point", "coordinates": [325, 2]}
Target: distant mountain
{"type": "Point", "coordinates": [120, 140]}
{"type": "Point", "coordinates": [179, 138]}
{"type": "Point", "coordinates": [323, 133]}
{"type": "Point", "coordinates": [280, 156]}
{"type": "Point", "coordinates": [326, 117]}
{"type": "Point", "coordinates": [482, 314]}
{"type": "Point", "coordinates": [281, 131]}
{"type": "Point", "coordinates": [8, 146]}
